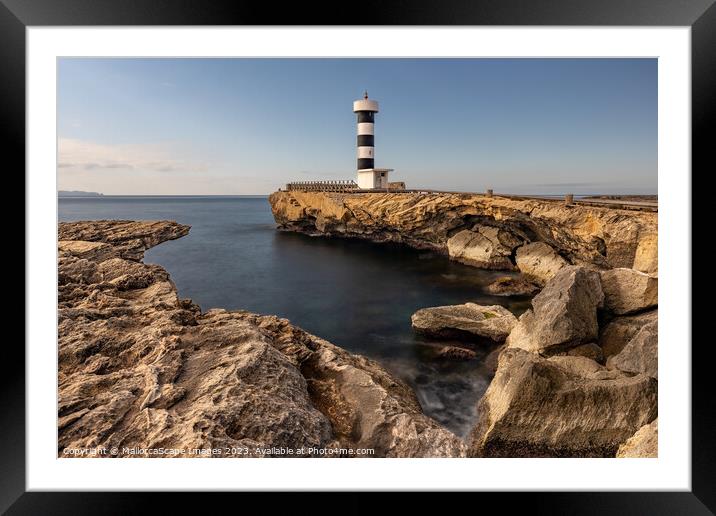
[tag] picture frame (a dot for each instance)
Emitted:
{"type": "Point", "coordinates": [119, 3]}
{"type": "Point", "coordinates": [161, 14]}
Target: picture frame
{"type": "Point", "coordinates": [17, 15]}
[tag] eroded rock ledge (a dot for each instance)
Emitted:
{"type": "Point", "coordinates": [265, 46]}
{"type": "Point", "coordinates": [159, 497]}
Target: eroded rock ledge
{"type": "Point", "coordinates": [140, 368]}
{"type": "Point", "coordinates": [478, 230]}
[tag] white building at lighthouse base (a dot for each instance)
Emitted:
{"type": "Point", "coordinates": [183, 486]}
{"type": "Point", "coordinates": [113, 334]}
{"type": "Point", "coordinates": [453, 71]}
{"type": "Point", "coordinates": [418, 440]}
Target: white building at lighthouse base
{"type": "Point", "coordinates": [370, 178]}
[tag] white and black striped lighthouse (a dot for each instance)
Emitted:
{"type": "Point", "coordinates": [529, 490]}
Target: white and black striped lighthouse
{"type": "Point", "coordinates": [368, 176]}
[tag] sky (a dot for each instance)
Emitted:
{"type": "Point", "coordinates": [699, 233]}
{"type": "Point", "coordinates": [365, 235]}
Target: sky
{"type": "Point", "coordinates": [144, 126]}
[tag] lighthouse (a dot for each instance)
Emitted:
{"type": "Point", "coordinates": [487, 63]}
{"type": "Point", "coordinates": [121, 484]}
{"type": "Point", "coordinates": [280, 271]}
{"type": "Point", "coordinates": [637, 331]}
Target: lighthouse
{"type": "Point", "coordinates": [369, 177]}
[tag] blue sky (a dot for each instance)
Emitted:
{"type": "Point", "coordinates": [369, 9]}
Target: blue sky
{"type": "Point", "coordinates": [247, 126]}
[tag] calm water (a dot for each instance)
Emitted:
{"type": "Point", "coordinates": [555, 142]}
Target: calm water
{"type": "Point", "coordinates": [355, 294]}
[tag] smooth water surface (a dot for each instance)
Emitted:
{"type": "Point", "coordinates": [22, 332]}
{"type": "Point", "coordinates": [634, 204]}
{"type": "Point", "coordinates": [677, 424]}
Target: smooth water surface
{"type": "Point", "coordinates": [356, 294]}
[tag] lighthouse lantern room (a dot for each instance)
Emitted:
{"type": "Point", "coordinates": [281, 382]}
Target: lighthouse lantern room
{"type": "Point", "coordinates": [369, 177]}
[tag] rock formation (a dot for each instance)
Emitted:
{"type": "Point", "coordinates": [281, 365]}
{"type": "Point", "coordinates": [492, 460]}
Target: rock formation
{"type": "Point", "coordinates": [561, 406]}
{"type": "Point", "coordinates": [495, 226]}
{"type": "Point", "coordinates": [141, 369]}
{"type": "Point", "coordinates": [643, 444]}
{"type": "Point", "coordinates": [563, 314]}
{"type": "Point", "coordinates": [550, 395]}
{"type": "Point", "coordinates": [470, 320]}
{"type": "Point", "coordinates": [640, 355]}
{"type": "Point", "coordinates": [591, 350]}
{"type": "Point", "coordinates": [628, 291]}
{"type": "Point", "coordinates": [577, 373]}
{"type": "Point", "coordinates": [539, 262]}
{"type": "Point", "coordinates": [511, 286]}
{"type": "Point", "coordinates": [617, 333]}
{"type": "Point", "coordinates": [456, 353]}
{"type": "Point", "coordinates": [486, 247]}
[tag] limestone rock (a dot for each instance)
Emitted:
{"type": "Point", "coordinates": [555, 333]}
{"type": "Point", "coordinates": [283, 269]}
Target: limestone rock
{"type": "Point", "coordinates": [563, 314]}
{"type": "Point", "coordinates": [456, 353]}
{"type": "Point", "coordinates": [591, 350]}
{"type": "Point", "coordinates": [94, 251]}
{"type": "Point", "coordinates": [640, 355]}
{"type": "Point", "coordinates": [617, 333]}
{"type": "Point", "coordinates": [561, 406]}
{"type": "Point", "coordinates": [511, 286]}
{"type": "Point", "coordinates": [646, 258]}
{"type": "Point", "coordinates": [482, 248]}
{"type": "Point", "coordinates": [539, 261]}
{"type": "Point", "coordinates": [602, 237]}
{"type": "Point", "coordinates": [643, 444]}
{"type": "Point", "coordinates": [493, 357]}
{"type": "Point", "coordinates": [466, 321]}
{"type": "Point", "coordinates": [129, 238]}
{"type": "Point", "coordinates": [140, 368]}
{"type": "Point", "coordinates": [628, 290]}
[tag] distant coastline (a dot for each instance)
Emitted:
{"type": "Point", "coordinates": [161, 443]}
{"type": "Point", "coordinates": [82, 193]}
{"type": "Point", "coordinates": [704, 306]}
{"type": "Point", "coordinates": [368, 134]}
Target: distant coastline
{"type": "Point", "coordinates": [78, 193]}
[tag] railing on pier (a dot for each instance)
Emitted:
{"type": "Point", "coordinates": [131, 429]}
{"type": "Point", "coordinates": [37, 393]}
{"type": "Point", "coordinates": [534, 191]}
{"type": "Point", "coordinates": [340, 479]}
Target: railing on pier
{"type": "Point", "coordinates": [338, 185]}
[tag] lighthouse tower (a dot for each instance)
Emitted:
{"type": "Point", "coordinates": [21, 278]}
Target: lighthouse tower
{"type": "Point", "coordinates": [369, 177]}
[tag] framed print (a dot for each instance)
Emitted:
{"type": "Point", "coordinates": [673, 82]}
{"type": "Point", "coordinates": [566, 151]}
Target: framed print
{"type": "Point", "coordinates": [428, 243]}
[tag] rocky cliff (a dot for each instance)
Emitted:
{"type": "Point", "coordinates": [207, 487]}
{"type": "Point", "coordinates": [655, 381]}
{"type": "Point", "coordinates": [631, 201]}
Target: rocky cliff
{"type": "Point", "coordinates": [141, 370]}
{"type": "Point", "coordinates": [577, 375]}
{"type": "Point", "coordinates": [478, 230]}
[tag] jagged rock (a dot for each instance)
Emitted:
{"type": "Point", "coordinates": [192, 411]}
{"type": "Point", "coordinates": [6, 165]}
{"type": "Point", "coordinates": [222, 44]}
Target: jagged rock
{"type": "Point", "coordinates": [128, 237]}
{"type": "Point", "coordinates": [465, 321]}
{"type": "Point", "coordinates": [619, 331]}
{"type": "Point", "coordinates": [367, 406]}
{"type": "Point", "coordinates": [493, 357]}
{"type": "Point", "coordinates": [539, 261]}
{"type": "Point", "coordinates": [456, 353]}
{"type": "Point", "coordinates": [603, 237]}
{"type": "Point", "coordinates": [591, 350]}
{"type": "Point", "coordinates": [646, 257]}
{"type": "Point", "coordinates": [643, 444]}
{"type": "Point", "coordinates": [511, 286]}
{"type": "Point", "coordinates": [94, 251]}
{"type": "Point", "coordinates": [560, 406]}
{"type": "Point", "coordinates": [140, 369]}
{"type": "Point", "coordinates": [483, 247]}
{"type": "Point", "coordinates": [628, 291]}
{"type": "Point", "coordinates": [640, 355]}
{"type": "Point", "coordinates": [563, 314]}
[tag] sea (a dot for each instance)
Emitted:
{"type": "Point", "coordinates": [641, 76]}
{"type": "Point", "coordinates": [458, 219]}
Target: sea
{"type": "Point", "coordinates": [357, 294]}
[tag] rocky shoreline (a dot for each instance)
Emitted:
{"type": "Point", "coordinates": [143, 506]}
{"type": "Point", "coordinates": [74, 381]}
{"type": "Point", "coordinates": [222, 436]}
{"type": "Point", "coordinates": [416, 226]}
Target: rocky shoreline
{"type": "Point", "coordinates": [141, 369]}
{"type": "Point", "coordinates": [486, 232]}
{"type": "Point", "coordinates": [575, 375]}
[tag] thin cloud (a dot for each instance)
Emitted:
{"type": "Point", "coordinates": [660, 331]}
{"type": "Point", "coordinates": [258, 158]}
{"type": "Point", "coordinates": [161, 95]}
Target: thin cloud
{"type": "Point", "coordinates": [91, 156]}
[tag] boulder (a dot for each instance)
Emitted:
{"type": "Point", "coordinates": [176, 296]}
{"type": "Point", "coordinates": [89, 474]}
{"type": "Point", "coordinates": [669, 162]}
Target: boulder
{"type": "Point", "coordinates": [539, 261]}
{"type": "Point", "coordinates": [640, 355]}
{"type": "Point", "coordinates": [471, 321]}
{"type": "Point", "coordinates": [563, 314]}
{"type": "Point", "coordinates": [628, 290]}
{"type": "Point", "coordinates": [560, 406]}
{"type": "Point", "coordinates": [512, 286]}
{"type": "Point", "coordinates": [643, 444]}
{"type": "Point", "coordinates": [456, 353]}
{"type": "Point", "coordinates": [617, 333]}
{"type": "Point", "coordinates": [646, 258]}
{"type": "Point", "coordinates": [492, 359]}
{"type": "Point", "coordinates": [591, 350]}
{"type": "Point", "coordinates": [486, 247]}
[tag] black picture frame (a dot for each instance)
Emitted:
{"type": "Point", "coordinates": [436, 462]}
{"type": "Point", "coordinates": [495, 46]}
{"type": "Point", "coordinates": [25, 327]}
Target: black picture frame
{"type": "Point", "coordinates": [700, 15]}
